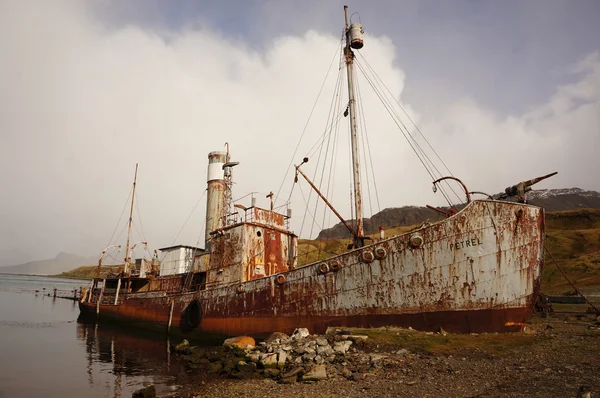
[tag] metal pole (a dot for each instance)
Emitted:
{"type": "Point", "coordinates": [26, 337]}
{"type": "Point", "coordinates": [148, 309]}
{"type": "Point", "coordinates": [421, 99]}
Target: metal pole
{"type": "Point", "coordinates": [130, 219]}
{"type": "Point", "coordinates": [327, 203]}
{"type": "Point", "coordinates": [353, 136]}
{"type": "Point", "coordinates": [170, 317]}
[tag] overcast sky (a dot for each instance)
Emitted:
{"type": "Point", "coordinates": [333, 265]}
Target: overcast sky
{"type": "Point", "coordinates": [504, 91]}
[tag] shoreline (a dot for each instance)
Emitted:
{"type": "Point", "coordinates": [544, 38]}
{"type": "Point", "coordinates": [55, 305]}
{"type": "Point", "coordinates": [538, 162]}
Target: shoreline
{"type": "Point", "coordinates": [554, 356]}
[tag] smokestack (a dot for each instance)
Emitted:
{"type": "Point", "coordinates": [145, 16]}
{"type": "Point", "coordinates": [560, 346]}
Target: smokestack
{"type": "Point", "coordinates": [215, 198]}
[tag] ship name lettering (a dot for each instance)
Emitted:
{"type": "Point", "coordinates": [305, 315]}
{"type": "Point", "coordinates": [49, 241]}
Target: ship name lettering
{"type": "Point", "coordinates": [465, 243]}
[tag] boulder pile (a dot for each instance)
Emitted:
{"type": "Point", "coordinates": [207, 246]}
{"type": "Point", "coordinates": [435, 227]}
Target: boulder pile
{"type": "Point", "coordinates": [288, 359]}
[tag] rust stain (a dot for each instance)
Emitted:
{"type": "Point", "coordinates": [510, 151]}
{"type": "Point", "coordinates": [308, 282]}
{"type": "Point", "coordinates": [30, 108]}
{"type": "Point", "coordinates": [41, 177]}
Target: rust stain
{"type": "Point", "coordinates": [488, 284]}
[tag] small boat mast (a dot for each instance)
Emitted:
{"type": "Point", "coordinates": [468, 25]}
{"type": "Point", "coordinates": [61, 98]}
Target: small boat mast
{"type": "Point", "coordinates": [127, 259]}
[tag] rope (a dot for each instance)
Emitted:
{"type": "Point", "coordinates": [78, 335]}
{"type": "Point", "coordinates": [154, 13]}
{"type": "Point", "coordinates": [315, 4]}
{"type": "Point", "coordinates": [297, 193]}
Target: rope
{"type": "Point", "coordinates": [120, 217]}
{"type": "Point", "coordinates": [571, 283]}
{"type": "Point", "coordinates": [363, 134]}
{"type": "Point", "coordinates": [407, 115]}
{"type": "Point", "coordinates": [309, 117]}
{"type": "Point", "coordinates": [383, 86]}
{"type": "Point", "coordinates": [370, 156]}
{"type": "Point", "coordinates": [421, 155]}
{"type": "Point", "coordinates": [185, 223]}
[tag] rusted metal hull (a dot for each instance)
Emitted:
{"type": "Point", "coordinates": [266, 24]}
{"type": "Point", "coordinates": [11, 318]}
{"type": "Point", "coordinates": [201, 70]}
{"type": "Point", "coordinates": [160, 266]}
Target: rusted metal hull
{"type": "Point", "coordinates": [477, 271]}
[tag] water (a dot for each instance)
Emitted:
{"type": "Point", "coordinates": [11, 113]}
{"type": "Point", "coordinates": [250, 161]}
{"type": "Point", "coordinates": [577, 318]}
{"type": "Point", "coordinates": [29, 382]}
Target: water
{"type": "Point", "coordinates": [44, 351]}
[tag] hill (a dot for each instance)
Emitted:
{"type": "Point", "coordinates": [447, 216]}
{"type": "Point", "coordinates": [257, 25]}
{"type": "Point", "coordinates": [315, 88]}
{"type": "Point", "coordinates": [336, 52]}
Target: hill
{"type": "Point", "coordinates": [90, 272]}
{"type": "Point", "coordinates": [61, 263]}
{"type": "Point", "coordinates": [550, 199]}
{"type": "Point", "coordinates": [573, 238]}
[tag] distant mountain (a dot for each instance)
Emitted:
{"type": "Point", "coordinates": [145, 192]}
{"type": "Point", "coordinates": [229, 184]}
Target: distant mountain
{"type": "Point", "coordinates": [61, 263]}
{"type": "Point", "coordinates": [564, 199]}
{"type": "Point", "coordinates": [549, 199]}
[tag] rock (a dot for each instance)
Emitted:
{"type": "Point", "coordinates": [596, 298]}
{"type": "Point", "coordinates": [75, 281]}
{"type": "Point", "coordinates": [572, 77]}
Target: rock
{"type": "Point", "coordinates": [241, 342]}
{"type": "Point", "coordinates": [309, 350]}
{"type": "Point", "coordinates": [146, 392]}
{"type": "Point", "coordinates": [411, 383]}
{"type": "Point", "coordinates": [272, 372]}
{"type": "Point", "coordinates": [253, 356]}
{"type": "Point", "coordinates": [229, 366]}
{"type": "Point", "coordinates": [281, 337]}
{"type": "Point", "coordinates": [200, 361]}
{"type": "Point", "coordinates": [347, 374]}
{"type": "Point", "coordinates": [281, 358]}
{"type": "Point", "coordinates": [584, 392]}
{"type": "Point", "coordinates": [322, 341]}
{"type": "Point", "coordinates": [245, 367]}
{"type": "Point", "coordinates": [309, 357]}
{"type": "Point", "coordinates": [268, 360]}
{"type": "Point", "coordinates": [300, 334]}
{"type": "Point", "coordinates": [341, 347]}
{"type": "Point", "coordinates": [324, 351]}
{"type": "Point", "coordinates": [287, 348]}
{"type": "Point", "coordinates": [528, 330]}
{"type": "Point", "coordinates": [319, 359]}
{"type": "Point", "coordinates": [299, 350]}
{"type": "Point", "coordinates": [377, 358]}
{"type": "Point", "coordinates": [288, 380]}
{"type": "Point", "coordinates": [403, 351]}
{"type": "Point", "coordinates": [442, 331]}
{"type": "Point", "coordinates": [357, 338]}
{"type": "Point", "coordinates": [214, 356]}
{"type": "Point", "coordinates": [294, 372]}
{"type": "Point", "coordinates": [318, 372]}
{"type": "Point", "coordinates": [183, 347]}
{"type": "Point", "coordinates": [215, 367]}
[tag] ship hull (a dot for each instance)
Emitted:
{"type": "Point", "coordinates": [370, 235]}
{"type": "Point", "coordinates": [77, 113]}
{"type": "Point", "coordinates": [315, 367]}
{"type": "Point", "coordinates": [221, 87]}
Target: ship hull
{"type": "Point", "coordinates": [477, 271]}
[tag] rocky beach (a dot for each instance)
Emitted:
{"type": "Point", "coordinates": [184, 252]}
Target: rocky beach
{"type": "Point", "coordinates": [555, 356]}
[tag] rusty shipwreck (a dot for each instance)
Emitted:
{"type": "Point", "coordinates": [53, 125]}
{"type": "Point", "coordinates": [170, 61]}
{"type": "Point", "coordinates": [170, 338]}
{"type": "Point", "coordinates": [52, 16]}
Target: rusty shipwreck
{"type": "Point", "coordinates": [478, 270]}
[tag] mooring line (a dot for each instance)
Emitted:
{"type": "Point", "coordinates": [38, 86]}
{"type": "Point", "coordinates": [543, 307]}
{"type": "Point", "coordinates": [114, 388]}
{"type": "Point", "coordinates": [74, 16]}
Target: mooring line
{"type": "Point", "coordinates": [571, 283]}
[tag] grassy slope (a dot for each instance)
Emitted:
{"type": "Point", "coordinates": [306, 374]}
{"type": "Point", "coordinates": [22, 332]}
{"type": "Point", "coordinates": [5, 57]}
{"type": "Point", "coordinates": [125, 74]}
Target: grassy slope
{"type": "Point", "coordinates": [90, 272]}
{"type": "Point", "coordinates": [573, 239]}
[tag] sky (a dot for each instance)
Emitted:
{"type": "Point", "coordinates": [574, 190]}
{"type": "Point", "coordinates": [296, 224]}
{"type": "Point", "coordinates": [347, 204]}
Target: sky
{"type": "Point", "coordinates": [504, 91]}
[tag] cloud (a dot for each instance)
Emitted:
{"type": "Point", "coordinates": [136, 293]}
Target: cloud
{"type": "Point", "coordinates": [82, 102]}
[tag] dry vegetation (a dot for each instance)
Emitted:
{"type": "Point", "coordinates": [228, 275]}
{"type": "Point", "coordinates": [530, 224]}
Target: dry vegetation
{"type": "Point", "coordinates": [90, 272]}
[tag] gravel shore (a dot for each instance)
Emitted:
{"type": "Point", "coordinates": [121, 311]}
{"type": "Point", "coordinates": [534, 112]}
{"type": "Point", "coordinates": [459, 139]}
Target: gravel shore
{"type": "Point", "coordinates": [554, 357]}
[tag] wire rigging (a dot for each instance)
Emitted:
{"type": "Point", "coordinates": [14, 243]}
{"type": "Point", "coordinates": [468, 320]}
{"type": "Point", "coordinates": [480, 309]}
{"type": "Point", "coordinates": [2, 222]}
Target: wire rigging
{"type": "Point", "coordinates": [309, 118]}
{"type": "Point", "coordinates": [382, 86]}
{"type": "Point", "coordinates": [120, 218]}
{"type": "Point", "coordinates": [423, 158]}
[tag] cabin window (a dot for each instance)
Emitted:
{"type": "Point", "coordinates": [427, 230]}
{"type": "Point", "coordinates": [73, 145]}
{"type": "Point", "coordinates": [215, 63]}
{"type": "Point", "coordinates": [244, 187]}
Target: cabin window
{"type": "Point", "coordinates": [258, 233]}
{"type": "Point", "coordinates": [199, 281]}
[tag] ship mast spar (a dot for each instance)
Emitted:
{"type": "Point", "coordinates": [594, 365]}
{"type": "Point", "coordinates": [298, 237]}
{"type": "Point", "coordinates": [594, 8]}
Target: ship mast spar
{"type": "Point", "coordinates": [358, 241]}
{"type": "Point", "coordinates": [127, 259]}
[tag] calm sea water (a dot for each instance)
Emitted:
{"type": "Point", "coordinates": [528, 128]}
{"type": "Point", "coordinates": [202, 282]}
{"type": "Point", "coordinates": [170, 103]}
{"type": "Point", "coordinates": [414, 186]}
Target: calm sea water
{"type": "Point", "coordinates": [45, 352]}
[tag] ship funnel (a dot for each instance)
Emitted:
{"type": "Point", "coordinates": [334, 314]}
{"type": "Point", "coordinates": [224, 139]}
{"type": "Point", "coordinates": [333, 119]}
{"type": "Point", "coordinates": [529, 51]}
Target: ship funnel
{"type": "Point", "coordinates": [215, 197]}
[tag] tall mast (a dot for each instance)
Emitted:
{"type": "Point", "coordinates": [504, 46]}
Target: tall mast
{"type": "Point", "coordinates": [353, 136]}
{"type": "Point", "coordinates": [130, 219]}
